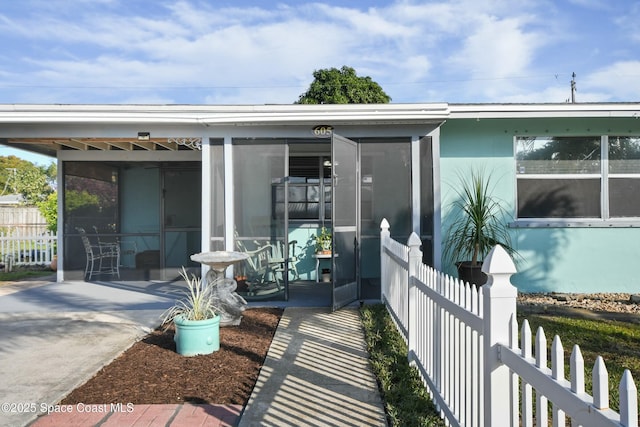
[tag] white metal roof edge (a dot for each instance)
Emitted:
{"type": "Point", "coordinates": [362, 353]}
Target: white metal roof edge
{"type": "Point", "coordinates": [301, 113]}
{"type": "Point", "coordinates": [502, 111]}
{"type": "Point", "coordinates": [220, 114]}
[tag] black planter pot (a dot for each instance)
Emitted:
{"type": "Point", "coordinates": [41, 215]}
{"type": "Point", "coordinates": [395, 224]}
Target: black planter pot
{"type": "Point", "coordinates": [471, 274]}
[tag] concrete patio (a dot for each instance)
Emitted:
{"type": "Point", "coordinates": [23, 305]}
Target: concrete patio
{"type": "Point", "coordinates": [57, 335]}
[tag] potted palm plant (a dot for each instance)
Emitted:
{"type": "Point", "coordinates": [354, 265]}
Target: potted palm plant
{"type": "Point", "coordinates": [196, 319]}
{"type": "Point", "coordinates": [479, 225]}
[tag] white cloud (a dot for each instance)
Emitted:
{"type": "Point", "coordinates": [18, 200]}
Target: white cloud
{"type": "Point", "coordinates": [496, 56]}
{"type": "Point", "coordinates": [591, 4]}
{"type": "Point", "coordinates": [628, 22]}
{"type": "Point", "coordinates": [191, 51]}
{"type": "Point", "coordinates": [555, 93]}
{"type": "Point", "coordinates": [618, 81]}
{"type": "Point", "coordinates": [498, 48]}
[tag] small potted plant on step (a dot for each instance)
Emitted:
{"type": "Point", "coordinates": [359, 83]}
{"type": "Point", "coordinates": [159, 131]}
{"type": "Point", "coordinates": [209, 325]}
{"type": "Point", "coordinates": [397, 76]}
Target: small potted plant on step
{"type": "Point", "coordinates": [196, 319]}
{"type": "Point", "coordinates": [479, 225]}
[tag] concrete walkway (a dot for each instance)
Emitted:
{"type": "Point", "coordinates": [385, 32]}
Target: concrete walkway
{"type": "Point", "coordinates": [316, 373]}
{"type": "Point", "coordinates": [55, 336]}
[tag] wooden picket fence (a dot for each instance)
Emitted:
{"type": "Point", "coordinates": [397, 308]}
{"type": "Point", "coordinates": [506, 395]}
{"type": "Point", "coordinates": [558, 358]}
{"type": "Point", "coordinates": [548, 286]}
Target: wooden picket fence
{"type": "Point", "coordinates": [464, 342]}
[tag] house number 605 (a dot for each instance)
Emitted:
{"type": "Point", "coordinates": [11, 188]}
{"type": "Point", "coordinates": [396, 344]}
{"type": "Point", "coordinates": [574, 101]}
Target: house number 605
{"type": "Point", "coordinates": [323, 131]}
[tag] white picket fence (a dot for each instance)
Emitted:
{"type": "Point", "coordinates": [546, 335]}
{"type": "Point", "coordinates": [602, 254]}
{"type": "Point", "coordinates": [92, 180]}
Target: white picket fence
{"type": "Point", "coordinates": [25, 249]}
{"type": "Point", "coordinates": [464, 343]}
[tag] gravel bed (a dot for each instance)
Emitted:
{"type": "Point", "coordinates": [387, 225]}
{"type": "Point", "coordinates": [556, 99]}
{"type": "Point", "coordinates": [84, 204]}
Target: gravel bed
{"type": "Point", "coordinates": [608, 302]}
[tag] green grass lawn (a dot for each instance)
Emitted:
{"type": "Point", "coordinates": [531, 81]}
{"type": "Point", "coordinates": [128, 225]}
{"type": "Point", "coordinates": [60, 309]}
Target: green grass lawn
{"type": "Point", "coordinates": [617, 342]}
{"type": "Point", "coordinates": [407, 402]}
{"type": "Point", "coordinates": [21, 274]}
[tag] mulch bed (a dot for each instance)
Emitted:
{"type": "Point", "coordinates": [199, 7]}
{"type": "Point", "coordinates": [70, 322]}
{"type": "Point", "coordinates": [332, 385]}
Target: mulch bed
{"type": "Point", "coordinates": [151, 372]}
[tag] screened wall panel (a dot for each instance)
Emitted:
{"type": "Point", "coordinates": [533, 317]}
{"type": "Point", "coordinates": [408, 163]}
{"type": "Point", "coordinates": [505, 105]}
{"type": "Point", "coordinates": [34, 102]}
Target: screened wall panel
{"type": "Point", "coordinates": [150, 210]}
{"type": "Point", "coordinates": [385, 192]}
{"type": "Point", "coordinates": [217, 195]}
{"type": "Point", "coordinates": [258, 165]}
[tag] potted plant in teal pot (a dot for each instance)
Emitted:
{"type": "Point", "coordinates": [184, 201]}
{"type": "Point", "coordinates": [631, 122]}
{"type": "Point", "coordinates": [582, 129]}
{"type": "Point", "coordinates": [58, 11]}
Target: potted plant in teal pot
{"type": "Point", "coordinates": [196, 319]}
{"type": "Point", "coordinates": [480, 223]}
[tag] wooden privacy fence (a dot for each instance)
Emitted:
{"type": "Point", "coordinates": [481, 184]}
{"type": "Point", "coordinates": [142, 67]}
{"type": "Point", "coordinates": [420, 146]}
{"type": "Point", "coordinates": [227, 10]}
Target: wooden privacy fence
{"type": "Point", "coordinates": [464, 342]}
{"type": "Point", "coordinates": [23, 249]}
{"type": "Point", "coordinates": [24, 219]}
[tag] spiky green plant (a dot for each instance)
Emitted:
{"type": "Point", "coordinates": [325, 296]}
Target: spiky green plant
{"type": "Point", "coordinates": [198, 303]}
{"type": "Point", "coordinates": [480, 222]}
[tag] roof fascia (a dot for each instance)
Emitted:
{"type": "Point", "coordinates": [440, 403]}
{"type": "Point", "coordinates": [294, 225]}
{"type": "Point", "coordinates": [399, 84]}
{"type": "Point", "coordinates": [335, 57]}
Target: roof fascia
{"type": "Point", "coordinates": [568, 110]}
{"type": "Point", "coordinates": [216, 115]}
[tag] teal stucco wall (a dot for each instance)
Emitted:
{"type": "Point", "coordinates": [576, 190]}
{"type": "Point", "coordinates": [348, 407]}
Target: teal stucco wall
{"type": "Point", "coordinates": [561, 259]}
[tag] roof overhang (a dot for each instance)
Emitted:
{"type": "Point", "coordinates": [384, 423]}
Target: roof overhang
{"type": "Point", "coordinates": [50, 145]}
{"type": "Point", "coordinates": [225, 114]}
{"type": "Point", "coordinates": [563, 110]}
{"type": "Point", "coordinates": [57, 125]}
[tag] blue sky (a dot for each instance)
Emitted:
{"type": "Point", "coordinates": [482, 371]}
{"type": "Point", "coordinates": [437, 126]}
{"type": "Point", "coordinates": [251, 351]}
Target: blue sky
{"type": "Point", "coordinates": [246, 52]}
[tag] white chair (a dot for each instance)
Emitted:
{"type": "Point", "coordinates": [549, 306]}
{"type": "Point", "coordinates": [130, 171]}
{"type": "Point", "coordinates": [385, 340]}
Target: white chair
{"type": "Point", "coordinates": [102, 258]}
{"type": "Point", "coordinates": [291, 269]}
{"type": "Point", "coordinates": [261, 271]}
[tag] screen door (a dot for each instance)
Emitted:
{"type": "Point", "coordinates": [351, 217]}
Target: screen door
{"type": "Point", "coordinates": [344, 159]}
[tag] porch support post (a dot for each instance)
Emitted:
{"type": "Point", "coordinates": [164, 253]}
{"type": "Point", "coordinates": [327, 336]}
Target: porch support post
{"type": "Point", "coordinates": [415, 185]}
{"type": "Point", "coordinates": [437, 207]}
{"type": "Point", "coordinates": [205, 234]}
{"type": "Point", "coordinates": [499, 307]}
{"type": "Point", "coordinates": [61, 219]}
{"type": "Point", "coordinates": [229, 218]}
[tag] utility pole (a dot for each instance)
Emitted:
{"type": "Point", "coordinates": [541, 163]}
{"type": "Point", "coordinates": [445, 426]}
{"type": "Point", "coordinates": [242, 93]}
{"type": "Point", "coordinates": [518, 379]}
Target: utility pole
{"type": "Point", "coordinates": [573, 88]}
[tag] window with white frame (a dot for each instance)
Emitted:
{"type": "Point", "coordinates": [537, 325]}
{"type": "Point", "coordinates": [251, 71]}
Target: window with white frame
{"type": "Point", "coordinates": [578, 177]}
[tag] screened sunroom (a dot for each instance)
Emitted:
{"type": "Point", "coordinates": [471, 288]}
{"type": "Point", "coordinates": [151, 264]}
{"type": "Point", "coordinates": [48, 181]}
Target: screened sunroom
{"type": "Point", "coordinates": [157, 184]}
{"type": "Point", "coordinates": [286, 192]}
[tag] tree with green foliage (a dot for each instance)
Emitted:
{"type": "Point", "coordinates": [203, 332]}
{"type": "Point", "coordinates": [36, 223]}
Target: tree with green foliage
{"type": "Point", "coordinates": [49, 210]}
{"type": "Point", "coordinates": [343, 86]}
{"type": "Point", "coordinates": [76, 200]}
{"type": "Point", "coordinates": [36, 184]}
{"type": "Point", "coordinates": [33, 182]}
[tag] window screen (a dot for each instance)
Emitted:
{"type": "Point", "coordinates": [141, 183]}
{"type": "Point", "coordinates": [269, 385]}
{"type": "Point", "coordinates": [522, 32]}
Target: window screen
{"type": "Point", "coordinates": [559, 177]}
{"type": "Point", "coordinates": [624, 176]}
{"type": "Point", "coordinates": [576, 176]}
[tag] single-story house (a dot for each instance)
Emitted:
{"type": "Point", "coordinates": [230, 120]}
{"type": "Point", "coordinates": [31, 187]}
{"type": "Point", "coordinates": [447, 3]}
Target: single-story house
{"type": "Point", "coordinates": [168, 181]}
